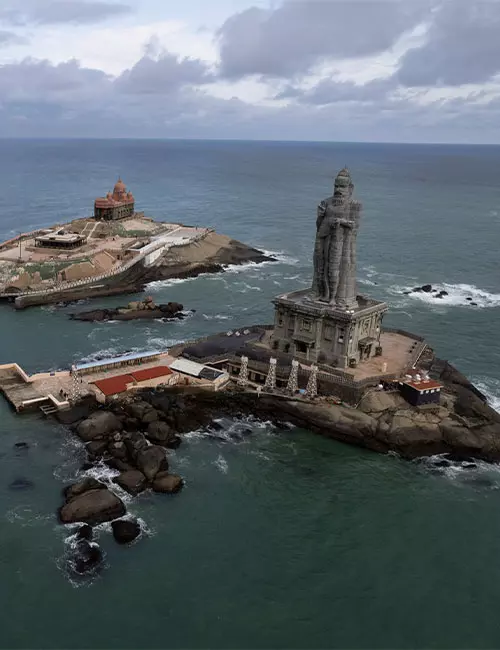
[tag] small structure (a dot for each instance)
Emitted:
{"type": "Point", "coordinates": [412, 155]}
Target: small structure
{"type": "Point", "coordinates": [293, 384]}
{"type": "Point", "coordinates": [117, 205]}
{"type": "Point", "coordinates": [60, 240]}
{"type": "Point", "coordinates": [312, 384]}
{"type": "Point", "coordinates": [197, 373]}
{"type": "Point", "coordinates": [419, 390]}
{"type": "Point", "coordinates": [270, 383]}
{"type": "Point", "coordinates": [243, 376]}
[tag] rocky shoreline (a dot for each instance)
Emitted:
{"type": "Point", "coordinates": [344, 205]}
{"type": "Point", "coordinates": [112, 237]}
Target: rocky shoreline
{"type": "Point", "coordinates": [134, 435]}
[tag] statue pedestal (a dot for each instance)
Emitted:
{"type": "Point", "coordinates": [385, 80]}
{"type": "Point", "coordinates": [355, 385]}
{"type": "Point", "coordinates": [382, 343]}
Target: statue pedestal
{"type": "Point", "coordinates": [316, 332]}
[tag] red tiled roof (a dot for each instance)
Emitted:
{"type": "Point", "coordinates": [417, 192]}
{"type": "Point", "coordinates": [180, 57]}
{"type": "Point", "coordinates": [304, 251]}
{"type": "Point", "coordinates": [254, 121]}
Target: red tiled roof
{"type": "Point", "coordinates": [114, 385]}
{"type": "Point", "coordinates": [423, 385]}
{"type": "Point", "coordinates": [151, 373]}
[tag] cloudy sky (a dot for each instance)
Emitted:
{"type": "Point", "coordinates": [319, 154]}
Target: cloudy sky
{"type": "Point", "coordinates": [351, 70]}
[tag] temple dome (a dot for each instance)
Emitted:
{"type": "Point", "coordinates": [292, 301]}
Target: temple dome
{"type": "Point", "coordinates": [120, 187]}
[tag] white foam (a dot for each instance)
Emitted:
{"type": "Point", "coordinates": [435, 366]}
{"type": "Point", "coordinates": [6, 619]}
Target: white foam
{"type": "Point", "coordinates": [490, 388]}
{"type": "Point", "coordinates": [281, 256]}
{"type": "Point", "coordinates": [216, 317]}
{"type": "Point", "coordinates": [221, 464]}
{"type": "Point", "coordinates": [457, 296]}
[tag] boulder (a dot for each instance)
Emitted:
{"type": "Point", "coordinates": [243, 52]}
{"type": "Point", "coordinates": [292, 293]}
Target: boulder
{"type": "Point", "coordinates": [86, 484]}
{"type": "Point", "coordinates": [98, 425]}
{"type": "Point", "coordinates": [85, 532]}
{"type": "Point", "coordinates": [21, 445]}
{"type": "Point", "coordinates": [150, 415]}
{"type": "Point", "coordinates": [120, 465]}
{"type": "Point", "coordinates": [118, 450]}
{"type": "Point", "coordinates": [96, 448]}
{"type": "Point", "coordinates": [159, 432]}
{"type": "Point", "coordinates": [125, 530]}
{"type": "Point", "coordinates": [174, 442]}
{"type": "Point", "coordinates": [132, 481]}
{"type": "Point", "coordinates": [135, 443]}
{"type": "Point", "coordinates": [167, 483]}
{"type": "Point", "coordinates": [87, 556]}
{"type": "Point", "coordinates": [427, 288]}
{"type": "Point", "coordinates": [93, 507]}
{"type": "Point", "coordinates": [151, 461]}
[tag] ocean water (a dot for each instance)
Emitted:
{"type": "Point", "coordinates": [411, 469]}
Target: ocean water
{"type": "Point", "coordinates": [280, 539]}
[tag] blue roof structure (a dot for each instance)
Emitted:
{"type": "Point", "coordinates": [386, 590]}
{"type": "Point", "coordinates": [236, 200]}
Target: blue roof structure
{"type": "Point", "coordinates": [124, 357]}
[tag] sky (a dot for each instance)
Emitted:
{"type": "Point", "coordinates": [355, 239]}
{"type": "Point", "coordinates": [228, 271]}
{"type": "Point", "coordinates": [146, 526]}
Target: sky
{"type": "Point", "coordinates": [328, 70]}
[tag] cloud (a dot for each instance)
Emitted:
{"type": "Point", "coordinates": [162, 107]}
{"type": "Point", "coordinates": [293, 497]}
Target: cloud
{"type": "Point", "coordinates": [463, 46]}
{"type": "Point", "coordinates": [292, 38]}
{"type": "Point", "coordinates": [10, 38]}
{"type": "Point", "coordinates": [329, 91]}
{"type": "Point", "coordinates": [46, 12]}
{"type": "Point", "coordinates": [32, 81]}
{"type": "Point", "coordinates": [162, 73]}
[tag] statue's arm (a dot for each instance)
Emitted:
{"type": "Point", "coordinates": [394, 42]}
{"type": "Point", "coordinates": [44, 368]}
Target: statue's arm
{"type": "Point", "coordinates": [346, 223]}
{"type": "Point", "coordinates": [321, 214]}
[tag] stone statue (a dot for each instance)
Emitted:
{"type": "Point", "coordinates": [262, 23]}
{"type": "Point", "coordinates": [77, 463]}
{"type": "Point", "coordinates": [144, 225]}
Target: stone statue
{"type": "Point", "coordinates": [337, 224]}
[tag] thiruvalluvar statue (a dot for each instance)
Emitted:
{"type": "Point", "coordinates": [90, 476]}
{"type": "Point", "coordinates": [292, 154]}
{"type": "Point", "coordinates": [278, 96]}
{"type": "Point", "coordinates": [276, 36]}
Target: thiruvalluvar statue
{"type": "Point", "coordinates": [334, 280]}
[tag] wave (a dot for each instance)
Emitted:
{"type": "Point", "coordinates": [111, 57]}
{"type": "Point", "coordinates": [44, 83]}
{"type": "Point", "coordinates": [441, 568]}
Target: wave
{"type": "Point", "coordinates": [459, 295]}
{"type": "Point", "coordinates": [491, 390]}
{"type": "Point", "coordinates": [216, 317]}
{"type": "Point", "coordinates": [221, 464]}
{"type": "Point", "coordinates": [476, 474]}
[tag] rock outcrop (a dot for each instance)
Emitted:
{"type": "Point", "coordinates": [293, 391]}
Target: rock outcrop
{"type": "Point", "coordinates": [145, 309]}
{"type": "Point", "coordinates": [92, 507]}
{"type": "Point", "coordinates": [125, 531]}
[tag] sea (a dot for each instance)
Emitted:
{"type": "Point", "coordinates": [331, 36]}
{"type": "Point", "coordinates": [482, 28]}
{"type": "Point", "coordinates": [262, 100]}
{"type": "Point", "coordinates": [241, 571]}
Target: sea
{"type": "Point", "coordinates": [280, 539]}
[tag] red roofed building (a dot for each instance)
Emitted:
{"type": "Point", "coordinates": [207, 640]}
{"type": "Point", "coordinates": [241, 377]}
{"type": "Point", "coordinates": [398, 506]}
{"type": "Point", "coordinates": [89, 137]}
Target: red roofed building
{"type": "Point", "coordinates": [151, 373]}
{"type": "Point", "coordinates": [119, 205]}
{"type": "Point", "coordinates": [114, 385]}
{"type": "Point", "coordinates": [148, 377]}
{"type": "Point", "coordinates": [419, 389]}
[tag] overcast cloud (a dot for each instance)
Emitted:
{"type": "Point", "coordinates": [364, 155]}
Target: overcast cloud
{"type": "Point", "coordinates": [392, 70]}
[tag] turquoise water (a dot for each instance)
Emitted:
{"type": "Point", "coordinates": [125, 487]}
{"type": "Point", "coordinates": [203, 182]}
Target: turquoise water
{"type": "Point", "coordinates": [280, 539]}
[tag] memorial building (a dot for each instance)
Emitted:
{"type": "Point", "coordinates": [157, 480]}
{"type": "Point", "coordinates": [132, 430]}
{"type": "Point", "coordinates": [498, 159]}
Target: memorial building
{"type": "Point", "coordinates": [118, 205]}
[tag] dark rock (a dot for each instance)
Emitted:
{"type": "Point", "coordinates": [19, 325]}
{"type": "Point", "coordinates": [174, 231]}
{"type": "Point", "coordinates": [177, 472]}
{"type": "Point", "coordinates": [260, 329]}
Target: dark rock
{"type": "Point", "coordinates": [94, 507]}
{"type": "Point", "coordinates": [125, 530]}
{"type": "Point", "coordinates": [174, 442]}
{"type": "Point", "coordinates": [85, 532]}
{"type": "Point", "coordinates": [132, 481]}
{"type": "Point", "coordinates": [468, 299]}
{"type": "Point", "coordinates": [441, 463]}
{"type": "Point", "coordinates": [96, 448]}
{"type": "Point", "coordinates": [86, 484]}
{"type": "Point", "coordinates": [150, 415]}
{"type": "Point", "coordinates": [120, 465]}
{"type": "Point", "coordinates": [443, 292]}
{"type": "Point", "coordinates": [159, 432]}
{"type": "Point", "coordinates": [131, 424]}
{"type": "Point", "coordinates": [135, 443]}
{"type": "Point", "coordinates": [167, 483]}
{"type": "Point", "coordinates": [87, 556]}
{"type": "Point", "coordinates": [427, 288]}
{"type": "Point", "coordinates": [118, 450]}
{"type": "Point", "coordinates": [86, 466]}
{"type": "Point", "coordinates": [438, 295]}
{"type": "Point", "coordinates": [151, 461]}
{"type": "Point", "coordinates": [21, 445]}
{"type": "Point", "coordinates": [21, 483]}
{"type": "Point", "coordinates": [474, 304]}
{"type": "Point", "coordinates": [98, 425]}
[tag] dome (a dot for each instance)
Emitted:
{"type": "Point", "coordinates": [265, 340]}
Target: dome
{"type": "Point", "coordinates": [120, 187]}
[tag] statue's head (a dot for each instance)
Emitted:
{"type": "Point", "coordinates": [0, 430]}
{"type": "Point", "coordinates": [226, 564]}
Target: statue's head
{"type": "Point", "coordinates": [343, 184]}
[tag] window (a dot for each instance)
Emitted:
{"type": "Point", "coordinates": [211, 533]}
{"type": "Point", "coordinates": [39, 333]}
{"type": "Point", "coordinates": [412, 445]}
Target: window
{"type": "Point", "coordinates": [301, 347]}
{"type": "Point", "coordinates": [306, 325]}
{"type": "Point", "coordinates": [327, 333]}
{"type": "Point", "coordinates": [280, 318]}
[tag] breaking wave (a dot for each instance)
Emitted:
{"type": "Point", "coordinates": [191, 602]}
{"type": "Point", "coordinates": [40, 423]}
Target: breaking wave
{"type": "Point", "coordinates": [459, 295]}
{"type": "Point", "coordinates": [491, 390]}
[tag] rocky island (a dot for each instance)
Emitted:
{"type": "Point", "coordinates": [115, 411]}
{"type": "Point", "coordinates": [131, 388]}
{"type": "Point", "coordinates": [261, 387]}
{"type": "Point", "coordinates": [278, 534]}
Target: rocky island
{"type": "Point", "coordinates": [118, 250]}
{"type": "Point", "coordinates": [327, 364]}
{"type": "Point", "coordinates": [137, 310]}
